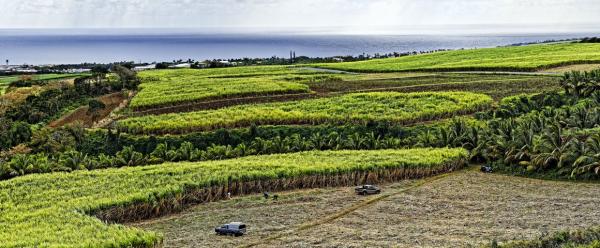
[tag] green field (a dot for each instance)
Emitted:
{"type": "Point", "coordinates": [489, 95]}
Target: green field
{"type": "Point", "coordinates": [50, 210]}
{"type": "Point", "coordinates": [495, 85]}
{"type": "Point", "coordinates": [165, 89]}
{"type": "Point", "coordinates": [350, 108]}
{"type": "Point", "coordinates": [6, 80]}
{"type": "Point", "coordinates": [171, 87]}
{"type": "Point", "coordinates": [75, 187]}
{"type": "Point", "coordinates": [518, 58]}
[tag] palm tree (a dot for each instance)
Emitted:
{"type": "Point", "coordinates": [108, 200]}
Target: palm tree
{"type": "Point", "coordinates": [129, 157]}
{"type": "Point", "coordinates": [73, 160]}
{"type": "Point", "coordinates": [185, 151]}
{"type": "Point", "coordinates": [589, 161]}
{"type": "Point", "coordinates": [552, 148]}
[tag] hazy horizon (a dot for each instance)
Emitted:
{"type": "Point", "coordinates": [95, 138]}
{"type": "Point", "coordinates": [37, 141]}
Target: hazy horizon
{"type": "Point", "coordinates": [456, 29]}
{"type": "Point", "coordinates": [32, 47]}
{"type": "Point", "coordinates": [308, 16]}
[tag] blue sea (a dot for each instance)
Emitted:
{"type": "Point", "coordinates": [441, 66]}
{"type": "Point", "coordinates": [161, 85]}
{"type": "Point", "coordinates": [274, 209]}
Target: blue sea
{"type": "Point", "coordinates": [102, 46]}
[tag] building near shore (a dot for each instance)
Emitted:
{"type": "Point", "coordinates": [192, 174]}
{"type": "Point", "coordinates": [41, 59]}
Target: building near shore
{"type": "Point", "coordinates": [180, 66]}
{"type": "Point", "coordinates": [145, 67]}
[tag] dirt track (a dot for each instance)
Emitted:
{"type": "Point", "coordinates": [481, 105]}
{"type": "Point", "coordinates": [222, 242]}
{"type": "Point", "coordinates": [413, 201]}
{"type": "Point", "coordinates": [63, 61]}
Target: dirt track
{"type": "Point", "coordinates": [461, 210]}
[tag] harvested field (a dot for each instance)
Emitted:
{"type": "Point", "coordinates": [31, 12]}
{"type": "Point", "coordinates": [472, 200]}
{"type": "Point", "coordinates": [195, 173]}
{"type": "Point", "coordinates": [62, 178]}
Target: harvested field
{"type": "Point", "coordinates": [436, 214]}
{"type": "Point", "coordinates": [581, 67]}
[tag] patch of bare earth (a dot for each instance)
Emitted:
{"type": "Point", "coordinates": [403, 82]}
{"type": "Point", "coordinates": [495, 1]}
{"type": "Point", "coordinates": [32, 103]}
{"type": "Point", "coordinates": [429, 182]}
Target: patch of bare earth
{"type": "Point", "coordinates": [195, 227]}
{"type": "Point", "coordinates": [463, 209]}
{"type": "Point", "coordinates": [581, 67]}
{"type": "Point", "coordinates": [81, 115]}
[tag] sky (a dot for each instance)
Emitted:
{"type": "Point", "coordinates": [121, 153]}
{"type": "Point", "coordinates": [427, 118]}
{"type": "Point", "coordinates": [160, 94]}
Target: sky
{"type": "Point", "coordinates": [351, 16]}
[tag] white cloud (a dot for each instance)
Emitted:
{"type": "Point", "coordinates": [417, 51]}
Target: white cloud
{"type": "Point", "coordinates": [353, 14]}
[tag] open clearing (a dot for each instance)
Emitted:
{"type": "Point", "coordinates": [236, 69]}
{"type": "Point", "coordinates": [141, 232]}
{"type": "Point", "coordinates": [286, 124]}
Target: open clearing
{"type": "Point", "coordinates": [466, 208]}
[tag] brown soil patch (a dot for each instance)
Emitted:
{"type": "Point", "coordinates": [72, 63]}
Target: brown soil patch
{"type": "Point", "coordinates": [581, 67]}
{"type": "Point", "coordinates": [463, 209]}
{"type": "Point", "coordinates": [80, 115]}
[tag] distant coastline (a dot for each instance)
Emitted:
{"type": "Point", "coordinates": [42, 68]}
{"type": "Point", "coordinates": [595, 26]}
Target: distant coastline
{"type": "Point", "coordinates": [56, 47]}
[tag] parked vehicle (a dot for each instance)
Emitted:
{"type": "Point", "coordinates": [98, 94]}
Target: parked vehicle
{"type": "Point", "coordinates": [367, 190]}
{"type": "Point", "coordinates": [233, 228]}
{"type": "Point", "coordinates": [486, 169]}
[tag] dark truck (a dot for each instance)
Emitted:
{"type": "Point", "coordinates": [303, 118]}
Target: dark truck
{"type": "Point", "coordinates": [233, 228]}
{"type": "Point", "coordinates": [367, 190]}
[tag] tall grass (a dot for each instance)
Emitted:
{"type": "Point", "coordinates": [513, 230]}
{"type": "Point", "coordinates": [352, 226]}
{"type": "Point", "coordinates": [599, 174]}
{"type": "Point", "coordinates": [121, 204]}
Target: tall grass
{"type": "Point", "coordinates": [52, 210]}
{"type": "Point", "coordinates": [359, 108]}
{"type": "Point", "coordinates": [520, 58]}
{"type": "Point", "coordinates": [162, 88]}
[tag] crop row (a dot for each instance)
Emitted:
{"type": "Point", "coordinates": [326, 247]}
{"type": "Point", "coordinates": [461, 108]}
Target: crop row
{"type": "Point", "coordinates": [53, 209]}
{"type": "Point", "coordinates": [161, 88]}
{"type": "Point", "coordinates": [518, 58]}
{"type": "Point", "coordinates": [358, 108]}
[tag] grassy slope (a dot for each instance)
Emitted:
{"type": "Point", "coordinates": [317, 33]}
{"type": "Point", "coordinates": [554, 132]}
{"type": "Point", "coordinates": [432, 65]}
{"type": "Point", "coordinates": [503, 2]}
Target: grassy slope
{"type": "Point", "coordinates": [360, 107]}
{"type": "Point", "coordinates": [50, 209]}
{"type": "Point", "coordinates": [522, 58]}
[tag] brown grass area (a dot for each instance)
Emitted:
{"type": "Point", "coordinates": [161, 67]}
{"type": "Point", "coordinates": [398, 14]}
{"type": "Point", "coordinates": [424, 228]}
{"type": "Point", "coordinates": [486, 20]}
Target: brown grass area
{"type": "Point", "coordinates": [567, 68]}
{"type": "Point", "coordinates": [16, 96]}
{"type": "Point", "coordinates": [463, 209]}
{"type": "Point", "coordinates": [195, 227]}
{"type": "Point", "coordinates": [80, 115]}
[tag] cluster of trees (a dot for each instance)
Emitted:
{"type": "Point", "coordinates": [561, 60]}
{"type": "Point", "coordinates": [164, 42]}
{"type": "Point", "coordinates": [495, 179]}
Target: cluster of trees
{"type": "Point", "coordinates": [26, 81]}
{"type": "Point", "coordinates": [13, 133]}
{"type": "Point", "coordinates": [56, 151]}
{"type": "Point", "coordinates": [581, 84]}
{"type": "Point", "coordinates": [18, 121]}
{"type": "Point", "coordinates": [556, 142]}
{"type": "Point", "coordinates": [590, 40]}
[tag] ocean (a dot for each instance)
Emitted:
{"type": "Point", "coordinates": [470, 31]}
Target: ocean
{"type": "Point", "coordinates": [61, 47]}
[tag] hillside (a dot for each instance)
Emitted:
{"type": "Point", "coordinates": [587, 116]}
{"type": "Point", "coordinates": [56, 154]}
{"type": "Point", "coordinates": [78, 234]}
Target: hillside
{"type": "Point", "coordinates": [514, 58]}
